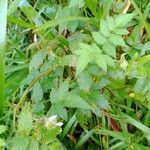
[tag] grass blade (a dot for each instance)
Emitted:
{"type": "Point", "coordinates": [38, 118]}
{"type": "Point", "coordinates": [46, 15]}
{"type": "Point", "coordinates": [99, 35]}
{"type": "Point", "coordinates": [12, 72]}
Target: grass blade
{"type": "Point", "coordinates": [142, 18]}
{"type": "Point", "coordinates": [53, 23]}
{"type": "Point", "coordinates": [3, 22]}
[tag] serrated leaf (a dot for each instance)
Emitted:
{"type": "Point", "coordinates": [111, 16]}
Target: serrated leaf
{"type": "Point", "coordinates": [140, 85]}
{"type": "Point", "coordinates": [56, 145]}
{"type": "Point", "coordinates": [37, 60]}
{"type": "Point", "coordinates": [121, 31]}
{"type": "Point", "coordinates": [111, 23]}
{"type": "Point", "coordinates": [109, 49]}
{"type": "Point", "coordinates": [63, 13]}
{"type": "Point", "coordinates": [95, 49]}
{"type": "Point", "coordinates": [73, 100]}
{"type": "Point", "coordinates": [122, 20]}
{"type": "Point", "coordinates": [38, 107]}
{"type": "Point", "coordinates": [85, 47]}
{"type": "Point", "coordinates": [109, 61]}
{"type": "Point", "coordinates": [103, 102]}
{"type": "Point", "coordinates": [34, 145]}
{"type": "Point", "coordinates": [57, 109]}
{"type": "Point", "coordinates": [25, 120]}
{"type": "Point", "coordinates": [100, 60]}
{"type": "Point", "coordinates": [19, 143]}
{"type": "Point", "coordinates": [99, 37]}
{"type": "Point", "coordinates": [2, 142]}
{"type": "Point", "coordinates": [37, 92]}
{"type": "Point", "coordinates": [2, 129]}
{"type": "Point", "coordinates": [117, 74]}
{"type": "Point", "coordinates": [82, 63]}
{"type": "Point", "coordinates": [63, 89]}
{"type": "Point", "coordinates": [84, 81]}
{"type": "Point", "coordinates": [73, 24]}
{"type": "Point", "coordinates": [104, 28]}
{"type": "Point", "coordinates": [145, 48]}
{"type": "Point", "coordinates": [74, 3]}
{"type": "Point", "coordinates": [117, 40]}
{"type": "Point", "coordinates": [54, 96]}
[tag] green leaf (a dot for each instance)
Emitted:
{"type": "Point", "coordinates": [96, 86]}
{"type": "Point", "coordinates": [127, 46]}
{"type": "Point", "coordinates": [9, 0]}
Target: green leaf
{"type": "Point", "coordinates": [25, 120]}
{"type": "Point", "coordinates": [117, 135]}
{"type": "Point", "coordinates": [73, 100]}
{"type": "Point", "coordinates": [120, 31]}
{"type": "Point", "coordinates": [109, 49]}
{"type": "Point", "coordinates": [99, 37]}
{"type": "Point", "coordinates": [20, 22]}
{"type": "Point", "coordinates": [117, 40]}
{"type": "Point", "coordinates": [82, 116]}
{"type": "Point", "coordinates": [63, 13]}
{"type": "Point", "coordinates": [37, 60]}
{"type": "Point", "coordinates": [19, 143]}
{"type": "Point", "coordinates": [95, 49]}
{"type": "Point", "coordinates": [122, 20]}
{"type": "Point", "coordinates": [140, 85]}
{"type": "Point", "coordinates": [84, 81]}
{"type": "Point", "coordinates": [92, 5]}
{"type": "Point", "coordinates": [54, 96]}
{"type": "Point", "coordinates": [53, 23]}
{"type": "Point", "coordinates": [63, 89]}
{"type": "Point", "coordinates": [137, 124]}
{"type": "Point", "coordinates": [34, 145]}
{"type": "Point", "coordinates": [103, 102]}
{"type": "Point", "coordinates": [72, 25]}
{"type": "Point", "coordinates": [100, 60]}
{"type": "Point", "coordinates": [83, 139]}
{"type": "Point", "coordinates": [2, 142]}
{"type": "Point", "coordinates": [2, 129]}
{"type": "Point", "coordinates": [143, 60]}
{"type": "Point", "coordinates": [142, 18]}
{"type": "Point", "coordinates": [74, 3]}
{"type": "Point", "coordinates": [82, 63]}
{"type": "Point", "coordinates": [140, 147]}
{"type": "Point", "coordinates": [31, 13]}
{"type": "Point", "coordinates": [13, 6]}
{"type": "Point", "coordinates": [104, 28]}
{"type": "Point", "coordinates": [56, 145]}
{"type": "Point", "coordinates": [109, 61]}
{"type": "Point", "coordinates": [37, 94]}
{"type": "Point", "coordinates": [111, 23]}
{"type": "Point", "coordinates": [57, 109]}
{"type": "Point", "coordinates": [107, 7]}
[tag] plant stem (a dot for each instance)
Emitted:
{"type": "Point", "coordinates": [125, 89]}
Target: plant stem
{"type": "Point", "coordinates": [3, 22]}
{"type": "Point", "coordinates": [23, 98]}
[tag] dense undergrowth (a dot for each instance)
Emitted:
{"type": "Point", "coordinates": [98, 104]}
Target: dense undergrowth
{"type": "Point", "coordinates": [77, 75]}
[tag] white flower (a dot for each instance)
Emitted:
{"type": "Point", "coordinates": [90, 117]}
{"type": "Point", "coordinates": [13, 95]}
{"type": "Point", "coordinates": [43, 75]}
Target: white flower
{"type": "Point", "coordinates": [52, 121]}
{"type": "Point", "coordinates": [59, 124]}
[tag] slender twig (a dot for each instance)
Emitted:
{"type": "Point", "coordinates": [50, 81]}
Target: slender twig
{"type": "Point", "coordinates": [127, 7]}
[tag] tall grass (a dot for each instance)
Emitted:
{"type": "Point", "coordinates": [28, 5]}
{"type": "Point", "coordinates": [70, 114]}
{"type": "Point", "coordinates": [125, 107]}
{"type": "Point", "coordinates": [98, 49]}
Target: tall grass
{"type": "Point", "coordinates": [3, 22]}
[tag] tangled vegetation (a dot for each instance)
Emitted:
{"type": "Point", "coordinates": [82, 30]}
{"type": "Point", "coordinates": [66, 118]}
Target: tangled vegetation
{"type": "Point", "coordinates": [77, 75]}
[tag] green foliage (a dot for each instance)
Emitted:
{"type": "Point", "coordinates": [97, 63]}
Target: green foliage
{"type": "Point", "coordinates": [3, 20]}
{"type": "Point", "coordinates": [35, 133]}
{"type": "Point", "coordinates": [25, 121]}
{"type": "Point", "coordinates": [77, 75]}
{"type": "Point", "coordinates": [2, 129]}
